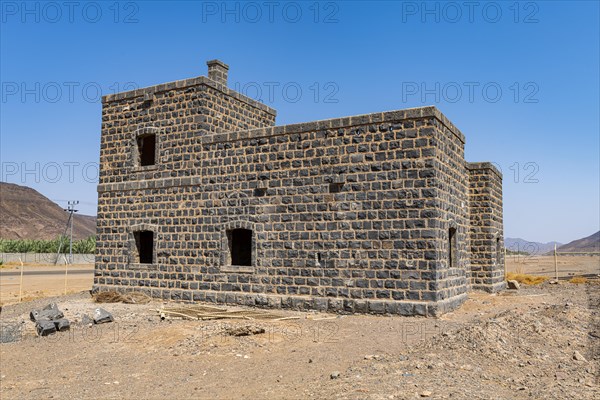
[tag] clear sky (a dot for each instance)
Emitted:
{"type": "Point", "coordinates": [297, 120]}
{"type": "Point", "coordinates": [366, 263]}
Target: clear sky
{"type": "Point", "coordinates": [521, 81]}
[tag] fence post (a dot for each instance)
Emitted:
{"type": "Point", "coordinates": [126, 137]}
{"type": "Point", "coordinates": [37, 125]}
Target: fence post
{"type": "Point", "coordinates": [555, 265]}
{"type": "Point", "coordinates": [21, 284]}
{"type": "Point", "coordinates": [66, 270]}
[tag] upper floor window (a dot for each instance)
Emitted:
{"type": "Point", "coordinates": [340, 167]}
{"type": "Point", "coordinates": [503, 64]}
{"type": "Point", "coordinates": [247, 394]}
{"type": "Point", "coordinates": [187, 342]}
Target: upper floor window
{"type": "Point", "coordinates": [146, 149]}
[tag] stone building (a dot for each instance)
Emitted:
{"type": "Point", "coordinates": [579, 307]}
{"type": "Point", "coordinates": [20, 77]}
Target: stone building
{"type": "Point", "coordinates": [203, 198]}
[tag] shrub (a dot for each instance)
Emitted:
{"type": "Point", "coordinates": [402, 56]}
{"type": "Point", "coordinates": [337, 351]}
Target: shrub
{"type": "Point", "coordinates": [578, 279]}
{"type": "Point", "coordinates": [526, 279]}
{"type": "Point", "coordinates": [84, 246]}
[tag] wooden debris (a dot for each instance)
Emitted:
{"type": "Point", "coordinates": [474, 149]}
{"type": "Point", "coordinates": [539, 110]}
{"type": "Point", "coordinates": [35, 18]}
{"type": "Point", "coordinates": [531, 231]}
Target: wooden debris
{"type": "Point", "coordinates": [200, 312]}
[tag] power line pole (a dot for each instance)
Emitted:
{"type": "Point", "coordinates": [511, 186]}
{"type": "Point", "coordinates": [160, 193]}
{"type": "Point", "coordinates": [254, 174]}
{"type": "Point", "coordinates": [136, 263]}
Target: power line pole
{"type": "Point", "coordinates": [71, 209]}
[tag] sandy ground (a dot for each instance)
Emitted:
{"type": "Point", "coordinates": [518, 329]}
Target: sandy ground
{"type": "Point", "coordinates": [517, 344]}
{"type": "Point", "coordinates": [538, 342]}
{"type": "Point", "coordinates": [42, 284]}
{"type": "Point", "coordinates": [544, 265]}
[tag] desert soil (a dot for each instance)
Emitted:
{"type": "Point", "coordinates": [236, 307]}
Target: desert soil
{"type": "Point", "coordinates": [42, 283]}
{"type": "Point", "coordinates": [537, 342]}
{"type": "Point", "coordinates": [567, 266]}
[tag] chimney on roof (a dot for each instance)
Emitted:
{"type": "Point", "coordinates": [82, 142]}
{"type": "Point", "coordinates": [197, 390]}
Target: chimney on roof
{"type": "Point", "coordinates": [217, 71]}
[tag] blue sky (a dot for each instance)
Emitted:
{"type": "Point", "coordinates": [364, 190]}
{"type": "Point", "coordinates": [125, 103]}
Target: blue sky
{"type": "Point", "coordinates": [521, 81]}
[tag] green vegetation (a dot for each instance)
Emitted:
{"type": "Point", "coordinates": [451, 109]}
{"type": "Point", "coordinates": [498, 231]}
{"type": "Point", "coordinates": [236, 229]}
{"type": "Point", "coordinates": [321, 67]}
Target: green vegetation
{"type": "Point", "coordinates": [512, 252]}
{"type": "Point", "coordinates": [84, 246]}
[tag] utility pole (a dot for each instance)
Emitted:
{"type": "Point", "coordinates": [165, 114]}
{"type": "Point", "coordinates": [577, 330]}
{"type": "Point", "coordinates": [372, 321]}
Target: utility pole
{"type": "Point", "coordinates": [71, 209]}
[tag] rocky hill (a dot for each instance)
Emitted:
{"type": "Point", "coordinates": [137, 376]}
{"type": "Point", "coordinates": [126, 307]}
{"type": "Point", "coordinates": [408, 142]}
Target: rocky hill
{"type": "Point", "coordinates": [533, 248]}
{"type": "Point", "coordinates": [27, 214]}
{"type": "Point", "coordinates": [587, 244]}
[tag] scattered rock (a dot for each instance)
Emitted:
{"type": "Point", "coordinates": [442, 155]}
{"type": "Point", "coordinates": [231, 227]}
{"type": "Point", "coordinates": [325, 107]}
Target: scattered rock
{"type": "Point", "coordinates": [10, 333]}
{"type": "Point", "coordinates": [426, 393]}
{"type": "Point", "coordinates": [50, 312]}
{"type": "Point", "coordinates": [335, 375]}
{"type": "Point", "coordinates": [578, 356]}
{"type": "Point", "coordinates": [45, 327]}
{"type": "Point", "coordinates": [62, 324]}
{"type": "Point", "coordinates": [101, 316]}
{"type": "Point", "coordinates": [86, 320]}
{"type": "Point", "coordinates": [245, 330]}
{"type": "Point", "coordinates": [512, 284]}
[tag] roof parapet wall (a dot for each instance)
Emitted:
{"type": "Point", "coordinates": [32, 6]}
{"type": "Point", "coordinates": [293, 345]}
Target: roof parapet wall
{"type": "Point", "coordinates": [185, 83]}
{"type": "Point", "coordinates": [477, 166]}
{"type": "Point", "coordinates": [374, 118]}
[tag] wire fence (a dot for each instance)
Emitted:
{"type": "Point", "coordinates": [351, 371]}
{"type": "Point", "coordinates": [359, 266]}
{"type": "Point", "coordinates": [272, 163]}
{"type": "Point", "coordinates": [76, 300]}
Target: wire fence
{"type": "Point", "coordinates": [45, 258]}
{"type": "Point", "coordinates": [555, 264]}
{"type": "Point", "coordinates": [29, 276]}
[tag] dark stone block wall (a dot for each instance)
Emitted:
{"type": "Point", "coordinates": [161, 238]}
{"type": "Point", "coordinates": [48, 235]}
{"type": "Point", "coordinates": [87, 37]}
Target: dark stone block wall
{"type": "Point", "coordinates": [486, 227]}
{"type": "Point", "coordinates": [350, 214]}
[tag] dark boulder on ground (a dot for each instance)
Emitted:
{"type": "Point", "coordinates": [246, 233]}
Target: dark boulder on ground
{"type": "Point", "coordinates": [50, 312]}
{"type": "Point", "coordinates": [45, 327]}
{"type": "Point", "coordinates": [62, 324]}
{"type": "Point", "coordinates": [101, 316]}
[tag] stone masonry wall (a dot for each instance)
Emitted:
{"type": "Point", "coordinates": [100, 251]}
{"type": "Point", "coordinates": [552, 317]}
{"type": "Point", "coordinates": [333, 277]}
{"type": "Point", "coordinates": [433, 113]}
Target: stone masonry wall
{"type": "Point", "coordinates": [179, 113]}
{"type": "Point", "coordinates": [486, 227]}
{"type": "Point", "coordinates": [452, 195]}
{"type": "Point", "coordinates": [348, 214]}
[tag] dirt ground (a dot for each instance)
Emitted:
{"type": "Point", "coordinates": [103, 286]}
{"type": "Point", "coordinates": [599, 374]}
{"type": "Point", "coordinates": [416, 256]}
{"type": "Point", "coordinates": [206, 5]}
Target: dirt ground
{"type": "Point", "coordinates": [43, 283]}
{"type": "Point", "coordinates": [537, 342]}
{"type": "Point", "coordinates": [567, 265]}
{"type": "Point", "coordinates": [513, 345]}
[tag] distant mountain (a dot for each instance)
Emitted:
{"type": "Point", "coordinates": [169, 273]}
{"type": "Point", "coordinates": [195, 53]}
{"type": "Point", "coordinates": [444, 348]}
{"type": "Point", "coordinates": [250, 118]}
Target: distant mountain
{"type": "Point", "coordinates": [27, 214]}
{"type": "Point", "coordinates": [533, 248]}
{"type": "Point", "coordinates": [587, 244]}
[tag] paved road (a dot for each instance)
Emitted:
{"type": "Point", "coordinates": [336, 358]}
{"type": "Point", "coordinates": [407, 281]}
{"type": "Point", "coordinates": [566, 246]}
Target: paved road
{"type": "Point", "coordinates": [46, 272]}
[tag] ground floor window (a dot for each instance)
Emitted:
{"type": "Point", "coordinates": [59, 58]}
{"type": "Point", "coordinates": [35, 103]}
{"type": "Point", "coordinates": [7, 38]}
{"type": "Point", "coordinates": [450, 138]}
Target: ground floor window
{"type": "Point", "coordinates": [452, 248]}
{"type": "Point", "coordinates": [240, 246]}
{"type": "Point", "coordinates": [144, 242]}
{"type": "Point", "coordinates": [498, 251]}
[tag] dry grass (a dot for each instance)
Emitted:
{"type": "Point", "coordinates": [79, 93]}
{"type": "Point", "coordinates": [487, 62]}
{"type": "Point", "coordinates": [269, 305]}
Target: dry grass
{"type": "Point", "coordinates": [30, 296]}
{"type": "Point", "coordinates": [10, 264]}
{"type": "Point", "coordinates": [525, 278]}
{"type": "Point", "coordinates": [115, 297]}
{"type": "Point", "coordinates": [578, 279]}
